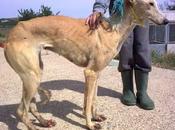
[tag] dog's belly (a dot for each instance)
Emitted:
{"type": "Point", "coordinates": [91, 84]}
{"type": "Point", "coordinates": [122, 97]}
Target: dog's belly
{"type": "Point", "coordinates": [80, 60]}
{"type": "Point", "coordinates": [73, 54]}
{"type": "Point", "coordinates": [76, 58]}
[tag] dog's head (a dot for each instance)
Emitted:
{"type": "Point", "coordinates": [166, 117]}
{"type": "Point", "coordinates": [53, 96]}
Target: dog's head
{"type": "Point", "coordinates": [146, 9]}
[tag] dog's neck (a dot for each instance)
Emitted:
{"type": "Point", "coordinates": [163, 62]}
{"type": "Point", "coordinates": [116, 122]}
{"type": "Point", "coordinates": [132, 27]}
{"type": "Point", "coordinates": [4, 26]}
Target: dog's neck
{"type": "Point", "coordinates": [121, 28]}
{"type": "Point", "coordinates": [124, 28]}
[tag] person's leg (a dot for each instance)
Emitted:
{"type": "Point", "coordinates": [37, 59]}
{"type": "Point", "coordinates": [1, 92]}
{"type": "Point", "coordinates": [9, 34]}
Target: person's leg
{"type": "Point", "coordinates": [126, 69]}
{"type": "Point", "coordinates": [142, 60]}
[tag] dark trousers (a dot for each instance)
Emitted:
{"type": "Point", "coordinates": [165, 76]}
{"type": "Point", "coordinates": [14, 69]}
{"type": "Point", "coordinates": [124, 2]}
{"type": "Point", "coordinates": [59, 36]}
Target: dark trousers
{"type": "Point", "coordinates": [135, 52]}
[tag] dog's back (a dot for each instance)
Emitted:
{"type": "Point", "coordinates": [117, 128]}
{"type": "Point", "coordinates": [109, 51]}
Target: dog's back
{"type": "Point", "coordinates": [64, 35]}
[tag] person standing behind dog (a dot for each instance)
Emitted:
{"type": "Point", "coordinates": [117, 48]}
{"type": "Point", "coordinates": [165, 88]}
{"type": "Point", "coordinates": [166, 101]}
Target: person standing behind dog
{"type": "Point", "coordinates": [135, 55]}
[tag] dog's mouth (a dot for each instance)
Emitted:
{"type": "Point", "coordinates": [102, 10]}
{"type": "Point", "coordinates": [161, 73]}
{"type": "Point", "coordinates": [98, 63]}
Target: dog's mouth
{"type": "Point", "coordinates": [162, 22]}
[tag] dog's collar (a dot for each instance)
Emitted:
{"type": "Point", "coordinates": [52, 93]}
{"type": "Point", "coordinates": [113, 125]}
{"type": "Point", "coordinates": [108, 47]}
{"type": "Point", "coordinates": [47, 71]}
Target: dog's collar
{"type": "Point", "coordinates": [112, 24]}
{"type": "Point", "coordinates": [136, 17]}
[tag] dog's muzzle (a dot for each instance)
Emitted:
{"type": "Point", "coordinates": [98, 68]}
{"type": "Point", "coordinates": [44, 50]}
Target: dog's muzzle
{"type": "Point", "coordinates": [165, 21]}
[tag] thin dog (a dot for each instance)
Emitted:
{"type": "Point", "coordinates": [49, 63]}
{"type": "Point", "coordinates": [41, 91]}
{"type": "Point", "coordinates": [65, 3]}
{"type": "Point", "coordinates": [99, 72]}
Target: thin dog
{"type": "Point", "coordinates": [70, 38]}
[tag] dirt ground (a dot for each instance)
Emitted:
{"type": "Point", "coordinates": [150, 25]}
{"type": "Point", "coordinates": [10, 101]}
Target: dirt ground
{"type": "Point", "coordinates": [66, 82]}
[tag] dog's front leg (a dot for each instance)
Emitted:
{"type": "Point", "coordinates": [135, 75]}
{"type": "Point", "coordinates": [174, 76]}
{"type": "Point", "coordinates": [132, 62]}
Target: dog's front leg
{"type": "Point", "coordinates": [95, 116]}
{"type": "Point", "coordinates": [91, 80]}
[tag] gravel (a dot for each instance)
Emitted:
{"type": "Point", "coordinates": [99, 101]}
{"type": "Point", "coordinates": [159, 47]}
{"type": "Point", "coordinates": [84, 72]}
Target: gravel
{"type": "Point", "coordinates": [66, 82]}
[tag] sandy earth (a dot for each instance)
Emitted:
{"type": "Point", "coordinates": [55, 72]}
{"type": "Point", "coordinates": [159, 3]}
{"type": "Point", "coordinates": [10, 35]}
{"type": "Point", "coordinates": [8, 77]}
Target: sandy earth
{"type": "Point", "coordinates": [66, 82]}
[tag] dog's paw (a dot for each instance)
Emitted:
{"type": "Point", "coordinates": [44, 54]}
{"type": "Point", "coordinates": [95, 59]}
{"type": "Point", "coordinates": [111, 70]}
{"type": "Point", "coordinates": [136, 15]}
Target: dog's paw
{"type": "Point", "coordinates": [96, 126]}
{"type": "Point", "coordinates": [47, 123]}
{"type": "Point", "coordinates": [99, 118]}
{"type": "Point", "coordinates": [51, 123]}
{"type": "Point", "coordinates": [30, 125]}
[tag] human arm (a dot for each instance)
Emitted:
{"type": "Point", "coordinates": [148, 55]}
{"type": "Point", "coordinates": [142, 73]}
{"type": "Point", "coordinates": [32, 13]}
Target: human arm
{"type": "Point", "coordinates": [99, 8]}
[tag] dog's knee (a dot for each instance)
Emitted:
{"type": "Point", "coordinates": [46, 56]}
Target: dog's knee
{"type": "Point", "coordinates": [90, 73]}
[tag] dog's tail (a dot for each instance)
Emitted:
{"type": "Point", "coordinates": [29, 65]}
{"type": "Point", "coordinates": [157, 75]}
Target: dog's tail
{"type": "Point", "coordinates": [45, 95]}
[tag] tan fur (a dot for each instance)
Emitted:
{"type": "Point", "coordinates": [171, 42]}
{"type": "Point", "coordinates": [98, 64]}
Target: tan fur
{"type": "Point", "coordinates": [69, 37]}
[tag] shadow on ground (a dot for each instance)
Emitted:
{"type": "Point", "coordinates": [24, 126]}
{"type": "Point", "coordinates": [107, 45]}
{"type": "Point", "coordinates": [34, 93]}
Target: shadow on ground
{"type": "Point", "coordinates": [78, 86]}
{"type": "Point", "coordinates": [8, 116]}
{"type": "Point", "coordinates": [56, 108]}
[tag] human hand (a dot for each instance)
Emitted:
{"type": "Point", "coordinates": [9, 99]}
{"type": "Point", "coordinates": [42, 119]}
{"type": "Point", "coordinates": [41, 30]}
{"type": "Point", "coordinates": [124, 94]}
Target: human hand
{"type": "Point", "coordinates": [93, 20]}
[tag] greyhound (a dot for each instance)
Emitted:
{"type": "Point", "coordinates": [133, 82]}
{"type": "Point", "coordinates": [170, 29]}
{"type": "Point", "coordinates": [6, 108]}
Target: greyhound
{"type": "Point", "coordinates": [71, 38]}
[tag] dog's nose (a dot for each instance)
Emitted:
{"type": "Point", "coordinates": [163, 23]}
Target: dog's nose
{"type": "Point", "coordinates": [166, 21]}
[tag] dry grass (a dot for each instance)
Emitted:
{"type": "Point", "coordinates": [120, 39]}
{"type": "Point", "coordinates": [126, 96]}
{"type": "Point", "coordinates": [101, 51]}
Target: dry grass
{"type": "Point", "coordinates": [3, 33]}
{"type": "Point", "coordinates": [166, 61]}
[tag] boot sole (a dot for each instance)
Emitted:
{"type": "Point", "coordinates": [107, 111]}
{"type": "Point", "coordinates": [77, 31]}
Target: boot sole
{"type": "Point", "coordinates": [145, 108]}
{"type": "Point", "coordinates": [128, 104]}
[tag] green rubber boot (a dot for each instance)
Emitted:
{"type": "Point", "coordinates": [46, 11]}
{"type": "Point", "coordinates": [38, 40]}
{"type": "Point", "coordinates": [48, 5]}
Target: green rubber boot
{"type": "Point", "coordinates": [128, 98]}
{"type": "Point", "coordinates": [143, 100]}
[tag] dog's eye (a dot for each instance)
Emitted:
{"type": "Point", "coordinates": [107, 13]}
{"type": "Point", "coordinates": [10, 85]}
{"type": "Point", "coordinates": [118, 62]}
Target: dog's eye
{"type": "Point", "coordinates": [152, 4]}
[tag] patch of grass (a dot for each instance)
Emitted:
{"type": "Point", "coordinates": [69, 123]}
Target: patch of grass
{"type": "Point", "coordinates": [9, 24]}
{"type": "Point", "coordinates": [166, 61]}
{"type": "Point", "coordinates": [2, 35]}
{"type": "Point", "coordinates": [4, 32]}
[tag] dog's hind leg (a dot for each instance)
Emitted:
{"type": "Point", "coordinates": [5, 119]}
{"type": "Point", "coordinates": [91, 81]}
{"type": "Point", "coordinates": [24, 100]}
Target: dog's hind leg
{"type": "Point", "coordinates": [30, 85]}
{"type": "Point", "coordinates": [37, 115]}
{"type": "Point", "coordinates": [45, 97]}
{"type": "Point", "coordinates": [25, 61]}
{"type": "Point", "coordinates": [44, 94]}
